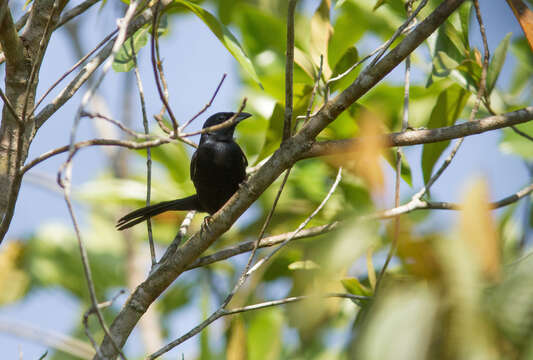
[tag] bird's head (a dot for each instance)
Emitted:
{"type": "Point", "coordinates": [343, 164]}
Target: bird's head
{"type": "Point", "coordinates": [226, 133]}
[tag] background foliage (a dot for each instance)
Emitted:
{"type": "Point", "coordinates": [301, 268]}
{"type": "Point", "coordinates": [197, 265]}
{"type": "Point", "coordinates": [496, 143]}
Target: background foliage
{"type": "Point", "coordinates": [461, 292]}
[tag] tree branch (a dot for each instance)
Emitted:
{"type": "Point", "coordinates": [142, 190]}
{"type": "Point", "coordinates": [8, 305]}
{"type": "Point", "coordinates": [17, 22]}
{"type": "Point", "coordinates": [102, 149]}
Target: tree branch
{"type": "Point", "coordinates": [425, 136]}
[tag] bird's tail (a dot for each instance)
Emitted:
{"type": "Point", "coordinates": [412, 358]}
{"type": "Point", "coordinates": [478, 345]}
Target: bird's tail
{"type": "Point", "coordinates": [142, 214]}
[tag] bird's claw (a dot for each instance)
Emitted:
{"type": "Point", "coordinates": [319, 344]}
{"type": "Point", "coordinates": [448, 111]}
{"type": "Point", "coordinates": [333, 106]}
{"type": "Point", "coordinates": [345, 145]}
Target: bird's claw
{"type": "Point", "coordinates": [206, 223]}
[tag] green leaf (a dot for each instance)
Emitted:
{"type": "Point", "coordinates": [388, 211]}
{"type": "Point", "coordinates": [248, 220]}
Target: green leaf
{"type": "Point", "coordinates": [225, 36]}
{"type": "Point", "coordinates": [347, 59]}
{"type": "Point", "coordinates": [304, 265]}
{"type": "Point", "coordinates": [405, 173]}
{"type": "Point", "coordinates": [124, 58]}
{"type": "Point", "coordinates": [446, 111]}
{"type": "Point", "coordinates": [321, 31]}
{"type": "Point", "coordinates": [523, 69]}
{"type": "Point", "coordinates": [264, 334]}
{"type": "Point", "coordinates": [302, 60]}
{"type": "Point", "coordinates": [386, 334]}
{"type": "Point", "coordinates": [354, 287]}
{"type": "Point", "coordinates": [465, 12]}
{"type": "Point", "coordinates": [447, 42]}
{"type": "Point", "coordinates": [274, 132]}
{"type": "Point", "coordinates": [43, 355]}
{"type": "Point", "coordinates": [496, 63]}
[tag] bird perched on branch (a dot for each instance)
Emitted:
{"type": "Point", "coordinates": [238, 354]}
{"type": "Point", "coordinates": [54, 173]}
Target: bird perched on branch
{"type": "Point", "coordinates": [218, 166]}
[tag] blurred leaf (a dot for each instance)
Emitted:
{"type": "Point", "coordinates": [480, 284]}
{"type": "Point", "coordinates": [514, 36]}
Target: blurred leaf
{"type": "Point", "coordinates": [477, 229]}
{"type": "Point", "coordinates": [370, 267]}
{"type": "Point", "coordinates": [274, 132]}
{"type": "Point", "coordinates": [205, 351]}
{"type": "Point", "coordinates": [236, 347]}
{"type": "Point", "coordinates": [346, 32]}
{"type": "Point", "coordinates": [513, 143]}
{"type": "Point", "coordinates": [43, 355]}
{"type": "Point", "coordinates": [354, 287]}
{"type": "Point", "coordinates": [14, 281]}
{"type": "Point", "coordinates": [264, 335]}
{"type": "Point", "coordinates": [321, 31]}
{"type": "Point", "coordinates": [523, 69]}
{"type": "Point", "coordinates": [386, 335]}
{"type": "Point", "coordinates": [496, 63]}
{"type": "Point", "coordinates": [446, 111]}
{"type": "Point", "coordinates": [378, 4]}
{"type": "Point", "coordinates": [304, 265]}
{"type": "Point", "coordinates": [511, 303]}
{"type": "Point", "coordinates": [303, 61]}
{"type": "Point", "coordinates": [224, 35]}
{"type": "Point", "coordinates": [261, 31]}
{"type": "Point", "coordinates": [405, 171]}
{"type": "Point", "coordinates": [367, 154]}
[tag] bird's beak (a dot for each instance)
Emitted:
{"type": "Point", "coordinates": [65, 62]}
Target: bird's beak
{"type": "Point", "coordinates": [243, 116]}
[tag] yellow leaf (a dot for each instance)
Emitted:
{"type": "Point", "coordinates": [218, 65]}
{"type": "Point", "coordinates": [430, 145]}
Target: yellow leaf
{"type": "Point", "coordinates": [477, 229]}
{"type": "Point", "coordinates": [236, 348]}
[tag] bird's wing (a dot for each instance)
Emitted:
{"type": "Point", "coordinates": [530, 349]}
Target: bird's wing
{"type": "Point", "coordinates": [194, 159]}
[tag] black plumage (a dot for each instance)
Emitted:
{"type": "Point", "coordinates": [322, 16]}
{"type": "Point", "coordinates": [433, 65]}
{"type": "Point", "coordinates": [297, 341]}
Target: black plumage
{"type": "Point", "coordinates": [218, 166]}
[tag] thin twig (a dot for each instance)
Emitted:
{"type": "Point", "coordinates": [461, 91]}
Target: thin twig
{"type": "Point", "coordinates": [148, 153]}
{"type": "Point", "coordinates": [289, 67]}
{"type": "Point", "coordinates": [398, 32]}
{"type": "Point", "coordinates": [231, 121]}
{"type": "Point", "coordinates": [521, 133]}
{"type": "Point", "coordinates": [171, 249]}
{"type": "Point", "coordinates": [206, 106]}
{"type": "Point", "coordinates": [302, 225]}
{"type": "Point", "coordinates": [162, 96]}
{"type": "Point", "coordinates": [118, 124]}
{"type": "Point", "coordinates": [265, 242]}
{"type": "Point", "coordinates": [9, 106]}
{"type": "Point", "coordinates": [65, 184]}
{"type": "Point", "coordinates": [92, 311]}
{"type": "Point", "coordinates": [94, 142]}
{"type": "Point", "coordinates": [217, 315]}
{"type": "Point", "coordinates": [75, 11]}
{"type": "Point", "coordinates": [292, 299]}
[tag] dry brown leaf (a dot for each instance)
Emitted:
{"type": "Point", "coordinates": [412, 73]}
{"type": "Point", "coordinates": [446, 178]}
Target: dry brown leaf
{"type": "Point", "coordinates": [524, 17]}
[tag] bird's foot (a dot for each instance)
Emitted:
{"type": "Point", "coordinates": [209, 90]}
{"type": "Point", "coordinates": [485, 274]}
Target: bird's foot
{"type": "Point", "coordinates": [206, 223]}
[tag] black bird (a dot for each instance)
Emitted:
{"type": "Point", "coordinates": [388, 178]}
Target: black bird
{"type": "Point", "coordinates": [218, 166]}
